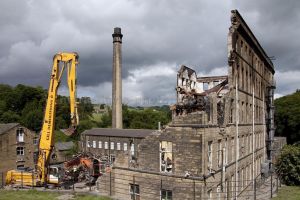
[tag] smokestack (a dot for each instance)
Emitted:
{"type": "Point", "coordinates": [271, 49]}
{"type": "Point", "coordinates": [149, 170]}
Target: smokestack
{"type": "Point", "coordinates": [117, 121]}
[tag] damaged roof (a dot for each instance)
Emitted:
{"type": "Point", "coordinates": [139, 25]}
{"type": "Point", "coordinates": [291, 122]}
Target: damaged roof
{"type": "Point", "coordinates": [134, 133]}
{"type": "Point", "coordinates": [189, 70]}
{"type": "Point", "coordinates": [6, 127]}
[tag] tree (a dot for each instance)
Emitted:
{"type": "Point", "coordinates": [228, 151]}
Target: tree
{"type": "Point", "coordinates": [288, 165]}
{"type": "Point", "coordinates": [287, 115]}
{"type": "Point", "coordinates": [10, 117]}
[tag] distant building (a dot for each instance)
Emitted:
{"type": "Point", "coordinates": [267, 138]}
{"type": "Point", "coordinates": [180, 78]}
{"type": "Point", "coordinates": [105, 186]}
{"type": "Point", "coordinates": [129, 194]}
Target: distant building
{"type": "Point", "coordinates": [61, 152]}
{"type": "Point", "coordinates": [109, 143]}
{"type": "Point", "coordinates": [18, 145]}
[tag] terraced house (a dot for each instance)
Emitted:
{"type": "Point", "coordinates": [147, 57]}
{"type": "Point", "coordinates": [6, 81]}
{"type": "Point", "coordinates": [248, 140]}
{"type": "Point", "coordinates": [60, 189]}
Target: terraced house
{"type": "Point", "coordinates": [18, 145]}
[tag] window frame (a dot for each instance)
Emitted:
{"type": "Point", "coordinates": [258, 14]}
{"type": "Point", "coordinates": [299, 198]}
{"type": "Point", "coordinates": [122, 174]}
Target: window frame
{"type": "Point", "coordinates": [167, 193]}
{"type": "Point", "coordinates": [20, 151]}
{"type": "Point", "coordinates": [134, 191]}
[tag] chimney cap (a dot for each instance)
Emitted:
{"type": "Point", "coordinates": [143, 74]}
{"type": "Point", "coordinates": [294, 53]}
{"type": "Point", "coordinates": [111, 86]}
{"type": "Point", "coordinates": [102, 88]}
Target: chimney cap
{"type": "Point", "coordinates": [117, 32]}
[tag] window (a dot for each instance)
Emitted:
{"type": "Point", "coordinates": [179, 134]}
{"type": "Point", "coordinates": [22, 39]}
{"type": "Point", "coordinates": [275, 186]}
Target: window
{"type": "Point", "coordinates": [209, 194]}
{"type": "Point", "coordinates": [132, 151]}
{"type": "Point", "coordinates": [166, 158]}
{"type": "Point", "coordinates": [88, 143]}
{"type": "Point", "coordinates": [112, 158]}
{"type": "Point", "coordinates": [166, 195]}
{"type": "Point", "coordinates": [20, 135]}
{"type": "Point", "coordinates": [125, 146]}
{"type": "Point", "coordinates": [226, 151]}
{"type": "Point", "coordinates": [112, 145]}
{"type": "Point", "coordinates": [20, 151]}
{"type": "Point", "coordinates": [106, 145]}
{"type": "Point", "coordinates": [232, 148]}
{"type": "Point", "coordinates": [134, 191]}
{"type": "Point", "coordinates": [35, 141]}
{"type": "Point", "coordinates": [20, 167]}
{"type": "Point", "coordinates": [118, 146]}
{"type": "Point", "coordinates": [219, 153]}
{"type": "Point", "coordinates": [94, 144]}
{"type": "Point", "coordinates": [219, 192]}
{"type": "Point", "coordinates": [209, 155]}
{"type": "Point", "coordinates": [100, 144]}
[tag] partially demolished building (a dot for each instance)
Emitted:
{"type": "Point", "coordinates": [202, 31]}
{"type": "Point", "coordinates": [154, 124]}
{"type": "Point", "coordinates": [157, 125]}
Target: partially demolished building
{"type": "Point", "coordinates": [220, 135]}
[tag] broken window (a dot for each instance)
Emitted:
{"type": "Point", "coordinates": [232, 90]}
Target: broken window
{"type": "Point", "coordinates": [166, 195]}
{"type": "Point", "coordinates": [134, 191]}
{"type": "Point", "coordinates": [132, 151]}
{"type": "Point", "coordinates": [209, 155]}
{"type": "Point", "coordinates": [20, 151]}
{"type": "Point", "coordinates": [112, 158]}
{"type": "Point", "coordinates": [88, 143]}
{"type": "Point", "coordinates": [209, 194]}
{"type": "Point", "coordinates": [20, 135]}
{"type": "Point", "coordinates": [166, 158]}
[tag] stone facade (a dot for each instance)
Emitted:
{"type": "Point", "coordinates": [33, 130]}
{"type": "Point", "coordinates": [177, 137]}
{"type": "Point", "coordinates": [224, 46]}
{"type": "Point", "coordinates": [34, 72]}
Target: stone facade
{"type": "Point", "coordinates": [221, 132]}
{"type": "Point", "coordinates": [17, 147]}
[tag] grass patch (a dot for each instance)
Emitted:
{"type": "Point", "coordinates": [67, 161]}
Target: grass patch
{"type": "Point", "coordinates": [288, 192]}
{"type": "Point", "coordinates": [42, 195]}
{"type": "Point", "coordinates": [27, 195]}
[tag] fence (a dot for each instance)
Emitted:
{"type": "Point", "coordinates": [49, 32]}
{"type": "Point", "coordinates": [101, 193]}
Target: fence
{"type": "Point", "coordinates": [2, 179]}
{"type": "Point", "coordinates": [137, 185]}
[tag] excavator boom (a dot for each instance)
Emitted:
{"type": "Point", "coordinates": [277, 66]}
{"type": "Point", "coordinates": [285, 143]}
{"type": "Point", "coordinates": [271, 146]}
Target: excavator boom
{"type": "Point", "coordinates": [61, 61]}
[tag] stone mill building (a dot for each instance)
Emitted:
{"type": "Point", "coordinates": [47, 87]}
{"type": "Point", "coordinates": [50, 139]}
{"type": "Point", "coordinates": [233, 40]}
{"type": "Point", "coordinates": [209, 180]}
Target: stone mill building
{"type": "Point", "coordinates": [219, 139]}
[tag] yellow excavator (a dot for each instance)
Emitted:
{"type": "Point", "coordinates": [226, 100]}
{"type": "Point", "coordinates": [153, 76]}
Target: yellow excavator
{"type": "Point", "coordinates": [44, 174]}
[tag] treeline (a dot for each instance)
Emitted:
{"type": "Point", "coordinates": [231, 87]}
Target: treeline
{"type": "Point", "coordinates": [139, 117]}
{"type": "Point", "coordinates": [287, 117]}
{"type": "Point", "coordinates": [25, 105]}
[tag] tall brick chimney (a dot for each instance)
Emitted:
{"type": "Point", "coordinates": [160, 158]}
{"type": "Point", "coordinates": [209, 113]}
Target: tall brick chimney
{"type": "Point", "coordinates": [117, 121]}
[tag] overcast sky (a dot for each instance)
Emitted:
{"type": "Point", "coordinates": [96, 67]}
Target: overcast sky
{"type": "Point", "coordinates": [159, 36]}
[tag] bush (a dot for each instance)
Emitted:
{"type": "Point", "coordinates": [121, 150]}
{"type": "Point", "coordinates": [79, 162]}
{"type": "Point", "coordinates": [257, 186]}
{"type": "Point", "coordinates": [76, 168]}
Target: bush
{"type": "Point", "coordinates": [288, 165]}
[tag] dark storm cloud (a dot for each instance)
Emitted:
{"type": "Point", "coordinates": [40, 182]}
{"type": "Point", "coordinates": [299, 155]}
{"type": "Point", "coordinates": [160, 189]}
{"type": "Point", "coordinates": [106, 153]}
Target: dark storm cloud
{"type": "Point", "coordinates": [158, 34]}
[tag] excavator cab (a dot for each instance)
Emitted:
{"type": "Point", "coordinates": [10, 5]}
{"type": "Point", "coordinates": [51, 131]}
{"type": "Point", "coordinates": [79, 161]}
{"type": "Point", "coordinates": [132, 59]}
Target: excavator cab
{"type": "Point", "coordinates": [54, 175]}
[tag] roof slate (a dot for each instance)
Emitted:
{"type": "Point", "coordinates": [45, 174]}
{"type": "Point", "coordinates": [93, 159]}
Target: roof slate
{"type": "Point", "coordinates": [135, 133]}
{"type": "Point", "coordinates": [6, 127]}
{"type": "Point", "coordinates": [62, 146]}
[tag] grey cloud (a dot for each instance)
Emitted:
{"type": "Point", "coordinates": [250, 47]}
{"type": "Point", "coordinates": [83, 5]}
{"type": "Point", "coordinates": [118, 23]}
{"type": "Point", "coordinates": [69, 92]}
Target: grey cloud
{"type": "Point", "coordinates": [190, 32]}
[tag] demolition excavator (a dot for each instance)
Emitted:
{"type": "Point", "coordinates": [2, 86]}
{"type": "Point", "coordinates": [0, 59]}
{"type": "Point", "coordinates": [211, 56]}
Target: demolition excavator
{"type": "Point", "coordinates": [43, 173]}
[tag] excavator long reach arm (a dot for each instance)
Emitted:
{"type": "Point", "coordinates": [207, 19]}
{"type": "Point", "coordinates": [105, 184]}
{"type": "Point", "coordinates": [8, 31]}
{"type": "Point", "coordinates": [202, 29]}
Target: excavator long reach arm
{"type": "Point", "coordinates": [61, 61]}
